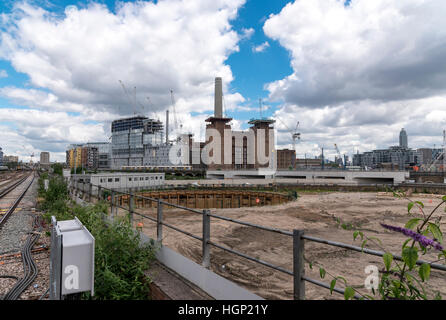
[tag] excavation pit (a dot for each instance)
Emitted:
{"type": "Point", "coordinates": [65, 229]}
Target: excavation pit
{"type": "Point", "coordinates": [209, 199]}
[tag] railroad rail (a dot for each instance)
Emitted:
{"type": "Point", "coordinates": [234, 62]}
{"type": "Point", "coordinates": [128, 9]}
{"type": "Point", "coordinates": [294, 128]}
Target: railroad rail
{"type": "Point", "coordinates": [29, 265]}
{"type": "Point", "coordinates": [7, 190]}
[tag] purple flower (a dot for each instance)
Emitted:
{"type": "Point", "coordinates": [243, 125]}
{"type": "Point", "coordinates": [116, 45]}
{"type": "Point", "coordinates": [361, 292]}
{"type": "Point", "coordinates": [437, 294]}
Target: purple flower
{"type": "Point", "coordinates": [424, 241]}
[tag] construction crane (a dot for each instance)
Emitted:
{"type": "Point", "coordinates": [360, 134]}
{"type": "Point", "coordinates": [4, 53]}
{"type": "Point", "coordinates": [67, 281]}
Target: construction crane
{"type": "Point", "coordinates": [441, 155]}
{"type": "Point", "coordinates": [128, 95]}
{"type": "Point", "coordinates": [342, 162]}
{"type": "Point", "coordinates": [175, 113]}
{"type": "Point", "coordinates": [31, 155]}
{"type": "Point", "coordinates": [294, 134]}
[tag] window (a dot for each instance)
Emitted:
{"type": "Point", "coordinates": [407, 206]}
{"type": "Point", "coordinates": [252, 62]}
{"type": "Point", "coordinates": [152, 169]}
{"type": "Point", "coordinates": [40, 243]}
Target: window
{"type": "Point", "coordinates": [147, 178]}
{"type": "Point", "coordinates": [110, 179]}
{"type": "Point", "coordinates": [130, 179]}
{"type": "Point", "coordinates": [116, 179]}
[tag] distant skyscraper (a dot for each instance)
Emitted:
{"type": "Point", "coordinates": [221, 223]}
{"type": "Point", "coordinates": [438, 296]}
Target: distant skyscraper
{"type": "Point", "coordinates": [403, 139]}
{"type": "Point", "coordinates": [44, 158]}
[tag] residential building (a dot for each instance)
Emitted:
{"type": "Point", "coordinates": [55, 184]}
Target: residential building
{"type": "Point", "coordinates": [10, 159]}
{"type": "Point", "coordinates": [44, 158]}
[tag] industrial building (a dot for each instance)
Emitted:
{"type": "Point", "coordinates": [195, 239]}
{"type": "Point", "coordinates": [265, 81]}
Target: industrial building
{"type": "Point", "coordinates": [286, 159]}
{"type": "Point", "coordinates": [121, 181]}
{"type": "Point", "coordinates": [244, 153]}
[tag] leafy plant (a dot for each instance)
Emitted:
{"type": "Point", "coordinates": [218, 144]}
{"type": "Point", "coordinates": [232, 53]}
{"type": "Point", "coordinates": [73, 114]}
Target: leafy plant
{"type": "Point", "coordinates": [405, 278]}
{"type": "Point", "coordinates": [120, 258]}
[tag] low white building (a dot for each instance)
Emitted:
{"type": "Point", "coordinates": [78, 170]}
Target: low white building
{"type": "Point", "coordinates": [121, 181]}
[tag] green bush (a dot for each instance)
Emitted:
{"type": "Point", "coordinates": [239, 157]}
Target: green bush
{"type": "Point", "coordinates": [58, 168]}
{"type": "Point", "coordinates": [120, 258]}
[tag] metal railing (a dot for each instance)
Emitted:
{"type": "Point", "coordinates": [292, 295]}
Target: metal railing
{"type": "Point", "coordinates": [298, 238]}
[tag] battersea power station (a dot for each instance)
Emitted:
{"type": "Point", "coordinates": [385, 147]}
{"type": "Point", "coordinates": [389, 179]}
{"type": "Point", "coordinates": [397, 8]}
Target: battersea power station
{"type": "Point", "coordinates": [225, 149]}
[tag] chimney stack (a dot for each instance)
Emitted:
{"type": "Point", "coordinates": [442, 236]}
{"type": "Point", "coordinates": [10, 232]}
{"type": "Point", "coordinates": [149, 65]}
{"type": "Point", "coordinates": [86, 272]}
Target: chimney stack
{"type": "Point", "coordinates": [167, 126]}
{"type": "Point", "coordinates": [218, 102]}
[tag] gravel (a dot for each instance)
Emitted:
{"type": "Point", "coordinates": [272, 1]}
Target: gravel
{"type": "Point", "coordinates": [14, 232]}
{"type": "Point", "coordinates": [13, 235]}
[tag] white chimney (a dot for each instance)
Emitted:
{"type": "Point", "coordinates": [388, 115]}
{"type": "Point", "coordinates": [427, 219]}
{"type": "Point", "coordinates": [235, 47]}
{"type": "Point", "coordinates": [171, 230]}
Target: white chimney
{"type": "Point", "coordinates": [218, 102]}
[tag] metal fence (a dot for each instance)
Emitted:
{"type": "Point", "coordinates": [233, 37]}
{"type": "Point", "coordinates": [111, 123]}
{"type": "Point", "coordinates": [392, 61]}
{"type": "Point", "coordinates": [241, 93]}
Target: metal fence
{"type": "Point", "coordinates": [298, 237]}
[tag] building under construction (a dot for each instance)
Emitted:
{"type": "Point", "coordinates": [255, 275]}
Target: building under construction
{"type": "Point", "coordinates": [138, 141]}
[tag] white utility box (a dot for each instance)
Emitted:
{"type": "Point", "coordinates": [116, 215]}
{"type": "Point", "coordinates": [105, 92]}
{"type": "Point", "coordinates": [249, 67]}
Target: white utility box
{"type": "Point", "coordinates": [72, 259]}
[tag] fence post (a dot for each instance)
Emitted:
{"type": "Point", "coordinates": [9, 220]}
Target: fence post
{"type": "Point", "coordinates": [131, 206]}
{"type": "Point", "coordinates": [112, 199]}
{"type": "Point", "coordinates": [159, 221]}
{"type": "Point", "coordinates": [298, 265]}
{"type": "Point", "coordinates": [99, 193]}
{"type": "Point", "coordinates": [90, 191]}
{"type": "Point", "coordinates": [206, 237]}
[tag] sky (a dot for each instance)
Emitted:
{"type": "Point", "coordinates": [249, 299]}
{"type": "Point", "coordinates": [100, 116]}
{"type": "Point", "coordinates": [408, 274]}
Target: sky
{"type": "Point", "coordinates": [351, 73]}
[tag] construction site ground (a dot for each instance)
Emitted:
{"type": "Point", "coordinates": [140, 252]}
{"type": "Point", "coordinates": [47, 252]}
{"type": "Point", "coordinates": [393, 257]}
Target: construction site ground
{"type": "Point", "coordinates": [318, 214]}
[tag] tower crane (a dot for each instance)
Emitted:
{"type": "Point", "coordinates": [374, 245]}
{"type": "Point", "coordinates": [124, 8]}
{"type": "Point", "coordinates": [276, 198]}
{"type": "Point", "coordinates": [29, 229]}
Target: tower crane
{"type": "Point", "coordinates": [342, 164]}
{"type": "Point", "coordinates": [440, 155]}
{"type": "Point", "coordinates": [294, 134]}
{"type": "Point", "coordinates": [178, 126]}
{"type": "Point", "coordinates": [132, 104]}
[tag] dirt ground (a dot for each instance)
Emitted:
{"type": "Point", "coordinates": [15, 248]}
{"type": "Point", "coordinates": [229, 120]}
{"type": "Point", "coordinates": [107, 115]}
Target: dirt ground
{"type": "Point", "coordinates": [318, 215]}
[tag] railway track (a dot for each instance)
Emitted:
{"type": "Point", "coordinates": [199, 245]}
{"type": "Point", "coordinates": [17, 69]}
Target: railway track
{"type": "Point", "coordinates": [16, 202]}
{"type": "Point", "coordinates": [30, 270]}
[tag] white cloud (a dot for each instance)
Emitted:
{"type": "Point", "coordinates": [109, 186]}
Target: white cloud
{"type": "Point", "coordinates": [75, 61]}
{"type": "Point", "coordinates": [361, 73]}
{"type": "Point", "coordinates": [383, 50]}
{"type": "Point", "coordinates": [247, 33]}
{"type": "Point", "coordinates": [261, 47]}
{"type": "Point", "coordinates": [365, 126]}
{"type": "Point", "coordinates": [3, 74]}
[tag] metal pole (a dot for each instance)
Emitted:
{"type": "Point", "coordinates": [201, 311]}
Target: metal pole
{"type": "Point", "coordinates": [206, 237]}
{"type": "Point", "coordinates": [159, 221]}
{"type": "Point", "coordinates": [298, 265]}
{"type": "Point", "coordinates": [90, 191]}
{"type": "Point", "coordinates": [112, 199]}
{"type": "Point", "coordinates": [131, 205]}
